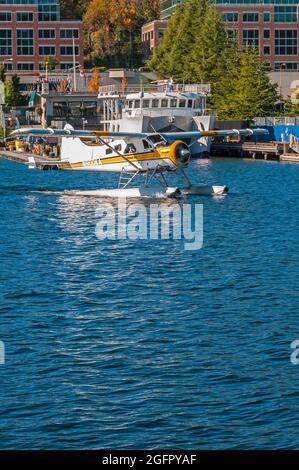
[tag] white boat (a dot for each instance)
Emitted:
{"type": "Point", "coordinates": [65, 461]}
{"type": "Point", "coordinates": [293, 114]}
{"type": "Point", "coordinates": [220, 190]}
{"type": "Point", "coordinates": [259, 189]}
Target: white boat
{"type": "Point", "coordinates": [161, 107]}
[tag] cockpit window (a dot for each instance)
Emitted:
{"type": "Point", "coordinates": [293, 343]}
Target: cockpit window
{"type": "Point", "coordinates": [146, 103]}
{"type": "Point", "coordinates": [130, 103]}
{"type": "Point", "coordinates": [146, 144]}
{"type": "Point", "coordinates": [155, 103]}
{"type": "Point", "coordinates": [164, 103]}
{"type": "Point", "coordinates": [137, 104]}
{"type": "Point", "coordinates": [182, 104]}
{"type": "Point", "coordinates": [130, 148]}
{"type": "Point", "coordinates": [190, 103]}
{"type": "Point", "coordinates": [173, 103]}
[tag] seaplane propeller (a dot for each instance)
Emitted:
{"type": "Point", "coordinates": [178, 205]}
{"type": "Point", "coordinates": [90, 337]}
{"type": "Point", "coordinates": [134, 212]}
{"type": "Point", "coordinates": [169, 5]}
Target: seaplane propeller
{"type": "Point", "coordinates": [151, 156]}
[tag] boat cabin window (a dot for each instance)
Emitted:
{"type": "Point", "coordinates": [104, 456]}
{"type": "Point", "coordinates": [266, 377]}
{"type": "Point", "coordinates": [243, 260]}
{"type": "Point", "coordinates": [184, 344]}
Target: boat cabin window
{"type": "Point", "coordinates": [190, 103]}
{"type": "Point", "coordinates": [155, 103]}
{"type": "Point", "coordinates": [182, 104]}
{"type": "Point", "coordinates": [108, 151]}
{"type": "Point", "coordinates": [164, 103]}
{"type": "Point", "coordinates": [118, 147]}
{"type": "Point", "coordinates": [130, 104]}
{"type": "Point", "coordinates": [173, 103]}
{"type": "Point", "coordinates": [146, 103]}
{"type": "Point", "coordinates": [137, 104]}
{"type": "Point", "coordinates": [146, 144]}
{"type": "Point", "coordinates": [197, 103]}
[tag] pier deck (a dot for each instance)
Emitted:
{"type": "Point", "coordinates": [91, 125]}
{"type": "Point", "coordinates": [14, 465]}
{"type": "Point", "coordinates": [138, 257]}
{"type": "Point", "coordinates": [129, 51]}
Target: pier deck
{"type": "Point", "coordinates": [261, 150]}
{"type": "Point", "coordinates": [20, 157]}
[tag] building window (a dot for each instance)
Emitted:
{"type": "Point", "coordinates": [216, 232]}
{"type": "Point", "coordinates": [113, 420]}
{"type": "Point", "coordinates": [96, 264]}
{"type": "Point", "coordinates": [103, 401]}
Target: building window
{"type": "Point", "coordinates": [46, 33]}
{"type": "Point", "coordinates": [69, 33]}
{"type": "Point", "coordinates": [266, 33]}
{"type": "Point", "coordinates": [5, 16]}
{"type": "Point", "coordinates": [285, 66]}
{"type": "Point", "coordinates": [5, 42]}
{"type": "Point", "coordinates": [285, 14]}
{"type": "Point", "coordinates": [232, 34]}
{"type": "Point", "coordinates": [48, 12]}
{"type": "Point", "coordinates": [285, 42]}
{"type": "Point", "coordinates": [25, 66]}
{"type": "Point", "coordinates": [266, 50]}
{"type": "Point", "coordinates": [25, 42]}
{"type": "Point", "coordinates": [266, 17]}
{"type": "Point", "coordinates": [24, 16]}
{"type": "Point", "coordinates": [68, 50]}
{"type": "Point", "coordinates": [230, 17]}
{"type": "Point", "coordinates": [251, 37]}
{"type": "Point", "coordinates": [47, 50]}
{"type": "Point", "coordinates": [250, 17]}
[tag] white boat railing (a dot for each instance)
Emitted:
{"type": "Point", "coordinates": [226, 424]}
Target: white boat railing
{"type": "Point", "coordinates": [170, 112]}
{"type": "Point", "coordinates": [157, 87]}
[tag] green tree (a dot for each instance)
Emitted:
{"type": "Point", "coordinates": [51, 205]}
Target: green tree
{"type": "Point", "coordinates": [2, 73]}
{"type": "Point", "coordinates": [13, 96]}
{"type": "Point", "coordinates": [253, 93]}
{"type": "Point", "coordinates": [197, 47]}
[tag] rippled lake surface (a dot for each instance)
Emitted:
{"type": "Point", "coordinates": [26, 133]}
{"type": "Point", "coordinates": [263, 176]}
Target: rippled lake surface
{"type": "Point", "coordinates": [143, 345]}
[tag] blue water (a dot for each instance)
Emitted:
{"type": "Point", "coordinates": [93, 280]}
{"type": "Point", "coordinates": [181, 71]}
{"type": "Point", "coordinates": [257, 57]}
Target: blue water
{"type": "Point", "coordinates": [133, 345]}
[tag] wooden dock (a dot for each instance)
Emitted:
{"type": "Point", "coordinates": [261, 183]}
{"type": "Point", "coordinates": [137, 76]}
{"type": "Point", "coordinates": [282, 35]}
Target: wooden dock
{"type": "Point", "coordinates": [290, 157]}
{"type": "Point", "coordinates": [43, 163]}
{"type": "Point", "coordinates": [255, 150]}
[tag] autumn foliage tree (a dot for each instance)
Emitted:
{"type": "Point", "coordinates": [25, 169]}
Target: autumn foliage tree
{"type": "Point", "coordinates": [113, 30]}
{"type": "Point", "coordinates": [94, 83]}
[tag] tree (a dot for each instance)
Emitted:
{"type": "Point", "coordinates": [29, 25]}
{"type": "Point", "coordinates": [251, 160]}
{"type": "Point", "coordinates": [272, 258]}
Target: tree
{"type": "Point", "coordinates": [113, 30]}
{"type": "Point", "coordinates": [94, 83]}
{"type": "Point", "coordinates": [253, 94]}
{"type": "Point", "coordinates": [175, 55]}
{"type": "Point", "coordinates": [197, 47]}
{"type": "Point", "coordinates": [13, 96]}
{"type": "Point", "coordinates": [2, 73]}
{"type": "Point", "coordinates": [73, 9]}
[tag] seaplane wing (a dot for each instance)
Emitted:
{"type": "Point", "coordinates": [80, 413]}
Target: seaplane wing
{"type": "Point", "coordinates": [120, 152]}
{"type": "Point", "coordinates": [68, 131]}
{"type": "Point", "coordinates": [169, 137]}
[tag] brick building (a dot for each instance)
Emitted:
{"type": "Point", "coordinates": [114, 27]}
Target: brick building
{"type": "Point", "coordinates": [151, 35]}
{"type": "Point", "coordinates": [270, 25]}
{"type": "Point", "coordinates": [31, 30]}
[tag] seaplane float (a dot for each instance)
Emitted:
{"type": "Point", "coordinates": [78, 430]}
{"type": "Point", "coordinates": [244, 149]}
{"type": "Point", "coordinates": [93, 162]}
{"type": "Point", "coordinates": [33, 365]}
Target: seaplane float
{"type": "Point", "coordinates": [151, 157]}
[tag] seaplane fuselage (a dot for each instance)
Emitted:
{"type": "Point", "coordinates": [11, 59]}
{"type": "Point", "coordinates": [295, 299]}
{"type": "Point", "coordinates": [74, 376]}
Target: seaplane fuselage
{"type": "Point", "coordinates": [121, 155]}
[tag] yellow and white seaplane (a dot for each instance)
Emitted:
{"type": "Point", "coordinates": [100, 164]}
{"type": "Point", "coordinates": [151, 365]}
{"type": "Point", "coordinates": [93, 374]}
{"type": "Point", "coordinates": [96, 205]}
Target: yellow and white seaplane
{"type": "Point", "coordinates": [150, 156]}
